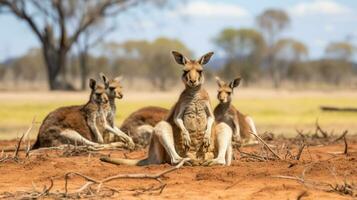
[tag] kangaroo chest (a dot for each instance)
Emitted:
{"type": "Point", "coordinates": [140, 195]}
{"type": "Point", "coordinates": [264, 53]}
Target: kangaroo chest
{"type": "Point", "coordinates": [195, 116]}
{"type": "Point", "coordinates": [195, 121]}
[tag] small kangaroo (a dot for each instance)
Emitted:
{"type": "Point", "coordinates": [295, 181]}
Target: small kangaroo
{"type": "Point", "coordinates": [82, 124]}
{"type": "Point", "coordinates": [114, 91]}
{"type": "Point", "coordinates": [140, 124]}
{"type": "Point", "coordinates": [189, 130]}
{"type": "Point", "coordinates": [242, 125]}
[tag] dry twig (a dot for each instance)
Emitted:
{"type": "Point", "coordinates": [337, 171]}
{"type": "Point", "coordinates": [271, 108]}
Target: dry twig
{"type": "Point", "coordinates": [346, 146]}
{"type": "Point", "coordinates": [344, 188]}
{"type": "Point", "coordinates": [300, 151]}
{"type": "Point", "coordinates": [266, 145]}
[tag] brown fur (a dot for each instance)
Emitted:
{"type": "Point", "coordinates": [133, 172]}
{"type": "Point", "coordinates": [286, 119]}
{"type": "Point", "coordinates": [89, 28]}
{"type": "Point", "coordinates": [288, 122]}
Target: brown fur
{"type": "Point", "coordinates": [191, 119]}
{"type": "Point", "coordinates": [226, 112]}
{"type": "Point", "coordinates": [114, 91]}
{"type": "Point", "coordinates": [149, 115]}
{"type": "Point", "coordinates": [194, 101]}
{"type": "Point", "coordinates": [194, 122]}
{"type": "Point", "coordinates": [72, 118]}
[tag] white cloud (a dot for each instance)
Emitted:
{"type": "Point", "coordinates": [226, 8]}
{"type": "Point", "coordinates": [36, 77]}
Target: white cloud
{"type": "Point", "coordinates": [316, 7]}
{"type": "Point", "coordinates": [212, 9]}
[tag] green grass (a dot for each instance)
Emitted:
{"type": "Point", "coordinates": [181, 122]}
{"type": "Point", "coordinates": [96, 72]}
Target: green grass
{"type": "Point", "coordinates": [282, 115]}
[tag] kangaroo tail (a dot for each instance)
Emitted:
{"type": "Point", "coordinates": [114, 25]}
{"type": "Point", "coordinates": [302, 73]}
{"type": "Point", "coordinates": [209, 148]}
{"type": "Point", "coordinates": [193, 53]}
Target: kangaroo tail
{"type": "Point", "coordinates": [130, 162]}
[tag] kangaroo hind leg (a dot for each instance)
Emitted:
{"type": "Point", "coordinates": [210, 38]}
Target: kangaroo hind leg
{"type": "Point", "coordinates": [75, 138]}
{"type": "Point", "coordinates": [224, 145]}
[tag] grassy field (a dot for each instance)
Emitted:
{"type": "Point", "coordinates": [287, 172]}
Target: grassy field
{"type": "Point", "coordinates": [281, 112]}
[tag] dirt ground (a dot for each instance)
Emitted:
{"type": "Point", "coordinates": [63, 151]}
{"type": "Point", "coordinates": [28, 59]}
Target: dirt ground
{"type": "Point", "coordinates": [247, 178]}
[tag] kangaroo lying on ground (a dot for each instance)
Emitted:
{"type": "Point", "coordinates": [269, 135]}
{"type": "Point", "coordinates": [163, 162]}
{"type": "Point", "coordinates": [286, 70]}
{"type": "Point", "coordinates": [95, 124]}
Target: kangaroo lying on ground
{"type": "Point", "coordinates": [242, 125]}
{"type": "Point", "coordinates": [189, 130]}
{"type": "Point", "coordinates": [140, 124]}
{"type": "Point", "coordinates": [114, 91]}
{"type": "Point", "coordinates": [77, 124]}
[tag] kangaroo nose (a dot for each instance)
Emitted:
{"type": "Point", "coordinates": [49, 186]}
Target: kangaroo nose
{"type": "Point", "coordinates": [192, 81]}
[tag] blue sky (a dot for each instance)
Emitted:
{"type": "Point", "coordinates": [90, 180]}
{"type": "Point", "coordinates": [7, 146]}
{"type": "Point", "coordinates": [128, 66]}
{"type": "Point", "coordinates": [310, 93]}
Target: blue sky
{"type": "Point", "coordinates": [197, 22]}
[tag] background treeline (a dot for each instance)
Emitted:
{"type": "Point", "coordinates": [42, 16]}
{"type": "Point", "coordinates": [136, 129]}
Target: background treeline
{"type": "Point", "coordinates": [260, 55]}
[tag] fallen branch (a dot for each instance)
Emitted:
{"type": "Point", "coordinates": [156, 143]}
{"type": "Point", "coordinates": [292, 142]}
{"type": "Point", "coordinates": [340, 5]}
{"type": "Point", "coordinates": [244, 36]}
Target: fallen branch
{"type": "Point", "coordinates": [100, 183]}
{"type": "Point", "coordinates": [337, 109]}
{"type": "Point", "coordinates": [266, 145]}
{"type": "Point", "coordinates": [85, 191]}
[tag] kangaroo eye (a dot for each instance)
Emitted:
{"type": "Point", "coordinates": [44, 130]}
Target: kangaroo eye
{"type": "Point", "coordinates": [185, 72]}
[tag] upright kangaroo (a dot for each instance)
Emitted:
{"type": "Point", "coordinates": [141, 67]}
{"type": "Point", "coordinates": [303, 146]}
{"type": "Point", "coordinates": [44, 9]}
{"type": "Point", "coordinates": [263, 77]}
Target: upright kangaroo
{"type": "Point", "coordinates": [75, 124]}
{"type": "Point", "coordinates": [114, 91]}
{"type": "Point", "coordinates": [242, 125]}
{"type": "Point", "coordinates": [187, 131]}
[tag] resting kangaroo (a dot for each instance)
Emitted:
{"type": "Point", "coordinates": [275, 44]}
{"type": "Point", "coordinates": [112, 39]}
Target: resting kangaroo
{"type": "Point", "coordinates": [76, 124]}
{"type": "Point", "coordinates": [140, 124]}
{"type": "Point", "coordinates": [187, 131]}
{"type": "Point", "coordinates": [242, 125]}
{"type": "Point", "coordinates": [114, 91]}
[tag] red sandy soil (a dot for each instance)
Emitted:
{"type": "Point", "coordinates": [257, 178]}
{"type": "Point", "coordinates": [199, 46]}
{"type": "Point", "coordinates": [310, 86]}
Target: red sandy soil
{"type": "Point", "coordinates": [245, 179]}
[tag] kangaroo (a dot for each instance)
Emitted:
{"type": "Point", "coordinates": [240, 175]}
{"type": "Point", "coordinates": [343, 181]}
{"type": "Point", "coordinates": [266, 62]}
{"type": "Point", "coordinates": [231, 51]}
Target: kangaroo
{"type": "Point", "coordinates": [75, 124]}
{"type": "Point", "coordinates": [189, 130]}
{"type": "Point", "coordinates": [114, 91]}
{"type": "Point", "coordinates": [242, 125]}
{"type": "Point", "coordinates": [140, 124]}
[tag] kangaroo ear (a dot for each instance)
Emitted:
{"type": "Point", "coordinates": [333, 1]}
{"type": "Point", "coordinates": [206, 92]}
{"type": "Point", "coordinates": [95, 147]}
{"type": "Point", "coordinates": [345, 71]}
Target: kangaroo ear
{"type": "Point", "coordinates": [235, 82]}
{"type": "Point", "coordinates": [179, 58]}
{"type": "Point", "coordinates": [205, 58]}
{"type": "Point", "coordinates": [218, 81]}
{"type": "Point", "coordinates": [118, 78]}
{"type": "Point", "coordinates": [92, 83]}
{"type": "Point", "coordinates": [105, 79]}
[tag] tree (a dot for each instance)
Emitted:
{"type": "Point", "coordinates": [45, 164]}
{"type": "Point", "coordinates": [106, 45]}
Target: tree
{"type": "Point", "coordinates": [128, 58]}
{"type": "Point", "coordinates": [244, 50]}
{"type": "Point", "coordinates": [289, 53]}
{"type": "Point", "coordinates": [58, 24]}
{"type": "Point", "coordinates": [89, 39]}
{"type": "Point", "coordinates": [337, 65]}
{"type": "Point", "coordinates": [162, 68]}
{"type": "Point", "coordinates": [272, 22]}
{"type": "Point", "coordinates": [151, 60]}
{"type": "Point", "coordinates": [3, 71]}
{"type": "Point", "coordinates": [340, 50]}
{"type": "Point", "coordinates": [290, 50]}
{"type": "Point", "coordinates": [28, 67]}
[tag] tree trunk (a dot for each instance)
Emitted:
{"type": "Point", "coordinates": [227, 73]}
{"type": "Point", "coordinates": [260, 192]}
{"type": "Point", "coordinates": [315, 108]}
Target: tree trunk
{"type": "Point", "coordinates": [55, 61]}
{"type": "Point", "coordinates": [83, 69]}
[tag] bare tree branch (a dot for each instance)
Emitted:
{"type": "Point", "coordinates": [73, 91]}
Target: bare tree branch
{"type": "Point", "coordinates": [21, 13]}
